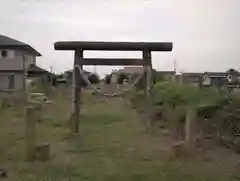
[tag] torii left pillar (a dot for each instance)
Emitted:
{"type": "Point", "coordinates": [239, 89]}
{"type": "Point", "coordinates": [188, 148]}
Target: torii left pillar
{"type": "Point", "coordinates": [76, 92]}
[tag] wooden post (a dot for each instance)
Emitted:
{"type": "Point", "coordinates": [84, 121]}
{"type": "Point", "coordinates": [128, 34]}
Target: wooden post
{"type": "Point", "coordinates": [189, 129]}
{"type": "Point", "coordinates": [30, 134]}
{"type": "Point", "coordinates": [148, 84]}
{"type": "Point", "coordinates": [74, 122]}
{"type": "Point", "coordinates": [25, 93]}
{"type": "Point", "coordinates": [43, 151]}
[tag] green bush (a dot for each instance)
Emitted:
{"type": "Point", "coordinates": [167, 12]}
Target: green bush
{"type": "Point", "coordinates": [215, 107]}
{"type": "Point", "coordinates": [108, 79]}
{"type": "Point", "coordinates": [176, 94]}
{"type": "Point", "coordinates": [94, 78]}
{"type": "Point", "coordinates": [121, 77]}
{"type": "Point", "coordinates": [157, 77]}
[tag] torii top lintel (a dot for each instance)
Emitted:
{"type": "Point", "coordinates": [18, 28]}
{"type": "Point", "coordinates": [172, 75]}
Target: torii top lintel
{"type": "Point", "coordinates": [113, 46]}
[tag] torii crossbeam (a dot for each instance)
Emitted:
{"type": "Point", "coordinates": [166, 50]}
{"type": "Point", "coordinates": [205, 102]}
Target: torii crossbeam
{"type": "Point", "coordinates": [79, 46]}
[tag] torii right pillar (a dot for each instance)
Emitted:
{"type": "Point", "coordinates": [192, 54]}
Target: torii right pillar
{"type": "Point", "coordinates": [148, 80]}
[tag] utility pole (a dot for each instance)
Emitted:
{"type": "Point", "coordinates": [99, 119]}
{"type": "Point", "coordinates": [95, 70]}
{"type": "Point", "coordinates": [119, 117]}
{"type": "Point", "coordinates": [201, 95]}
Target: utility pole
{"type": "Point", "coordinates": [175, 65]}
{"type": "Point", "coordinates": [51, 77]}
{"type": "Point", "coordinates": [95, 69]}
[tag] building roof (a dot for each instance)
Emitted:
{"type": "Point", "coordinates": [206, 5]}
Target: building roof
{"type": "Point", "coordinates": [34, 68]}
{"type": "Point", "coordinates": [139, 70]}
{"type": "Point", "coordinates": [166, 72]}
{"type": "Point", "coordinates": [216, 74]}
{"type": "Point", "coordinates": [70, 71]}
{"type": "Point", "coordinates": [233, 72]}
{"type": "Point", "coordinates": [192, 74]}
{"type": "Point", "coordinates": [7, 42]}
{"type": "Point", "coordinates": [131, 70]}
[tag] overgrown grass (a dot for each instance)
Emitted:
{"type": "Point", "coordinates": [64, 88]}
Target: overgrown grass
{"type": "Point", "coordinates": [112, 146]}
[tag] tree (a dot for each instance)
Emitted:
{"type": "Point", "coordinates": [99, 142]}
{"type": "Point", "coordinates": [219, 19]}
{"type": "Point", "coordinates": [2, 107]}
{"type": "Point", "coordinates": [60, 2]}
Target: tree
{"type": "Point", "coordinates": [232, 71]}
{"type": "Point", "coordinates": [108, 79]}
{"type": "Point", "coordinates": [233, 77]}
{"type": "Point", "coordinates": [94, 78]}
{"type": "Point", "coordinates": [157, 76]}
{"type": "Point", "coordinates": [121, 77]}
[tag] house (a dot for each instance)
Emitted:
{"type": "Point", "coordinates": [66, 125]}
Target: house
{"type": "Point", "coordinates": [205, 79]}
{"type": "Point", "coordinates": [167, 75]}
{"type": "Point", "coordinates": [131, 70]}
{"type": "Point", "coordinates": [138, 70]}
{"type": "Point", "coordinates": [69, 75]}
{"type": "Point", "coordinates": [214, 79]}
{"type": "Point", "coordinates": [15, 58]}
{"type": "Point", "coordinates": [193, 78]}
{"type": "Point", "coordinates": [35, 72]}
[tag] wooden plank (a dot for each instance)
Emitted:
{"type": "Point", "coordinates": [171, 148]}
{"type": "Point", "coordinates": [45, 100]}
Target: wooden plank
{"type": "Point", "coordinates": [112, 61]}
{"type": "Point", "coordinates": [114, 46]}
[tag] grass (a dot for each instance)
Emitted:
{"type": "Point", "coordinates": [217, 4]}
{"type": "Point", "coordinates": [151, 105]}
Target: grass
{"type": "Point", "coordinates": [113, 146]}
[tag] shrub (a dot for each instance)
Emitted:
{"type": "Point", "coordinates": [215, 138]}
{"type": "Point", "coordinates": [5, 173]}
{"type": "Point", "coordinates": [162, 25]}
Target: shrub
{"type": "Point", "coordinates": [140, 84]}
{"type": "Point", "coordinates": [94, 78]}
{"type": "Point", "coordinates": [121, 77]}
{"type": "Point", "coordinates": [108, 79]}
{"type": "Point", "coordinates": [157, 77]}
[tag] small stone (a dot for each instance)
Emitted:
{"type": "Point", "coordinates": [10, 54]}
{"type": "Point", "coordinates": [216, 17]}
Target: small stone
{"type": "Point", "coordinates": [3, 173]}
{"type": "Point", "coordinates": [178, 149]}
{"type": "Point", "coordinates": [165, 132]}
{"type": "Point", "coordinates": [145, 159]}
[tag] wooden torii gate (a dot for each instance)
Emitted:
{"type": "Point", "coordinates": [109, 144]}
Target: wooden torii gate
{"type": "Point", "coordinates": [79, 46]}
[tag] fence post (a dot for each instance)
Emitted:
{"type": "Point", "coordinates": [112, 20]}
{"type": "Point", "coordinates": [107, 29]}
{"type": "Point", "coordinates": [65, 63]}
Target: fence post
{"type": "Point", "coordinates": [189, 129]}
{"type": "Point", "coordinates": [30, 133]}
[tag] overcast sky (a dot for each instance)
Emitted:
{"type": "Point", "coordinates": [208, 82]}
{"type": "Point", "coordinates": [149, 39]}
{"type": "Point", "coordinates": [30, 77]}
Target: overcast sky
{"type": "Point", "coordinates": [205, 33]}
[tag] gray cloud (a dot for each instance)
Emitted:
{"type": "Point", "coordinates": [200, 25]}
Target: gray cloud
{"type": "Point", "coordinates": [204, 33]}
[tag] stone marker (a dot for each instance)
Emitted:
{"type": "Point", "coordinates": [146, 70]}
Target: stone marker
{"type": "Point", "coordinates": [30, 134]}
{"type": "Point", "coordinates": [43, 152]}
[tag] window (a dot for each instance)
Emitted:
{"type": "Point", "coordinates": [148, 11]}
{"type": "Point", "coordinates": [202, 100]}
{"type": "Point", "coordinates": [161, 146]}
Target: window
{"type": "Point", "coordinates": [229, 78]}
{"type": "Point", "coordinates": [4, 53]}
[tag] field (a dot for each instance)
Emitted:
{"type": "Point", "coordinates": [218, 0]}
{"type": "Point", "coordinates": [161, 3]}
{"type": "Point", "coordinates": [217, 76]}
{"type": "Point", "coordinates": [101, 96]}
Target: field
{"type": "Point", "coordinates": [113, 145]}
